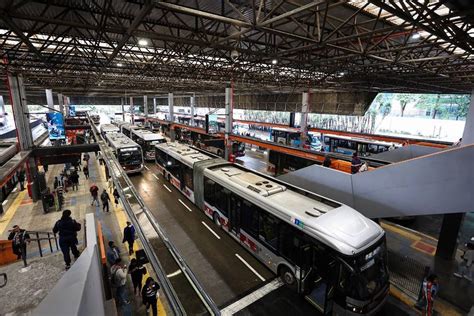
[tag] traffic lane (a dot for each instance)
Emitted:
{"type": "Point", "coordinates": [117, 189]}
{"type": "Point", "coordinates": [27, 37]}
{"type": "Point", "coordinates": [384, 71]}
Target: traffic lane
{"type": "Point", "coordinates": [214, 262]}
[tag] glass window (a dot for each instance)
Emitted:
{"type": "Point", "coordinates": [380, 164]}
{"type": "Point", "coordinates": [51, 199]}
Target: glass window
{"type": "Point", "coordinates": [188, 177]}
{"type": "Point", "coordinates": [268, 229]}
{"type": "Point", "coordinates": [290, 242]}
{"type": "Point", "coordinates": [209, 191]}
{"type": "Point", "coordinates": [250, 218]}
{"type": "Point", "coordinates": [221, 198]}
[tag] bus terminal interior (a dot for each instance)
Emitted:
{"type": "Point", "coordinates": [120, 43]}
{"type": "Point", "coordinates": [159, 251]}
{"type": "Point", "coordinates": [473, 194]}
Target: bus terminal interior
{"type": "Point", "coordinates": [233, 157]}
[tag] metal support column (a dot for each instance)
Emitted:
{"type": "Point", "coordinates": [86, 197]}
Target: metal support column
{"type": "Point", "coordinates": [123, 109]}
{"type": "Point", "coordinates": [154, 105]}
{"type": "Point", "coordinates": [448, 236]}
{"type": "Point", "coordinates": [132, 110]}
{"type": "Point", "coordinates": [171, 115]}
{"type": "Point", "coordinates": [192, 103]}
{"type": "Point", "coordinates": [228, 121]}
{"type": "Point", "coordinates": [468, 135]}
{"type": "Point", "coordinates": [23, 130]}
{"type": "Point", "coordinates": [145, 106]}
{"type": "Point", "coordinates": [67, 103]}
{"type": "Point", "coordinates": [61, 104]}
{"type": "Point", "coordinates": [304, 118]}
{"type": "Point", "coordinates": [3, 114]}
{"type": "Point", "coordinates": [49, 100]}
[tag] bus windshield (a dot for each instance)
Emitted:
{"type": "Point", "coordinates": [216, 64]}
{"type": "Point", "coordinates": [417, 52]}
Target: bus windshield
{"type": "Point", "coordinates": [130, 156]}
{"type": "Point", "coordinates": [369, 275]}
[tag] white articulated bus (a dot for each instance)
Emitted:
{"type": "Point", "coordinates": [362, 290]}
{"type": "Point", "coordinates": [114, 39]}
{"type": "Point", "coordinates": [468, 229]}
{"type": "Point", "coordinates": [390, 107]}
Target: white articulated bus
{"type": "Point", "coordinates": [147, 140]}
{"type": "Point", "coordinates": [323, 249]}
{"type": "Point", "coordinates": [128, 153]}
{"type": "Point", "coordinates": [108, 128]}
{"type": "Point", "coordinates": [127, 129]}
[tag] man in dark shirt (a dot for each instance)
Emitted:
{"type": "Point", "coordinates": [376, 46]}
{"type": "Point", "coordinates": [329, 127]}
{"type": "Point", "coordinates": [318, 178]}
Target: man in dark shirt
{"type": "Point", "coordinates": [67, 229]}
{"type": "Point", "coordinates": [129, 236]}
{"type": "Point", "coordinates": [19, 238]}
{"type": "Point", "coordinates": [356, 163]}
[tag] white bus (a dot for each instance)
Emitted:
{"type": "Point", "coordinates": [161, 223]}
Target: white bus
{"type": "Point", "coordinates": [128, 153]}
{"type": "Point", "coordinates": [147, 140]}
{"type": "Point", "coordinates": [127, 129]}
{"type": "Point", "coordinates": [323, 249]}
{"type": "Point", "coordinates": [108, 128]}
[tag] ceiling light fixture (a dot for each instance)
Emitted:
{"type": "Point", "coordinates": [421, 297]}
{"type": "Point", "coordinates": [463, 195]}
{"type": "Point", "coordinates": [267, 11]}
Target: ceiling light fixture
{"type": "Point", "coordinates": [119, 65]}
{"type": "Point", "coordinates": [274, 61]}
{"type": "Point", "coordinates": [142, 42]}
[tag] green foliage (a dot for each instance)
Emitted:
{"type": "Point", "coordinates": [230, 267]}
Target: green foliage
{"type": "Point", "coordinates": [405, 99]}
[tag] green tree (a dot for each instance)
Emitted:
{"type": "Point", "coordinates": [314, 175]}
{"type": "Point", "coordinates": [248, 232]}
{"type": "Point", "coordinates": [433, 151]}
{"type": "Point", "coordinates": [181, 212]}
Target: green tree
{"type": "Point", "coordinates": [405, 99]}
{"type": "Point", "coordinates": [431, 102]}
{"type": "Point", "coordinates": [462, 102]}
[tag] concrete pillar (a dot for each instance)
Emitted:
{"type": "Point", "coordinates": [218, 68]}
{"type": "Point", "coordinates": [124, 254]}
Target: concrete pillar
{"type": "Point", "coordinates": [145, 106]}
{"type": "Point", "coordinates": [448, 236]}
{"type": "Point", "coordinates": [132, 110]}
{"type": "Point", "coordinates": [123, 109]}
{"type": "Point", "coordinates": [468, 135]}
{"type": "Point", "coordinates": [49, 100]}
{"type": "Point", "coordinates": [192, 103]}
{"type": "Point", "coordinates": [67, 103]}
{"type": "Point", "coordinates": [20, 111]}
{"type": "Point", "coordinates": [171, 115]}
{"type": "Point", "coordinates": [61, 104]}
{"type": "Point", "coordinates": [228, 121]}
{"type": "Point", "coordinates": [154, 105]}
{"type": "Point", "coordinates": [3, 116]}
{"type": "Point", "coordinates": [304, 118]}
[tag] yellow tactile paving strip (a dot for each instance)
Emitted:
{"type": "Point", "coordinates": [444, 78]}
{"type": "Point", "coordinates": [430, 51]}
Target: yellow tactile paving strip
{"type": "Point", "coordinates": [10, 212]}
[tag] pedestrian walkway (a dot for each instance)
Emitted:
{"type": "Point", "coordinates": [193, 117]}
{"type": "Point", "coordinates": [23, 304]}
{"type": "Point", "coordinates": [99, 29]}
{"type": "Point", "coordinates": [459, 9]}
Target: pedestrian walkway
{"type": "Point", "coordinates": [456, 296]}
{"type": "Point", "coordinates": [30, 216]}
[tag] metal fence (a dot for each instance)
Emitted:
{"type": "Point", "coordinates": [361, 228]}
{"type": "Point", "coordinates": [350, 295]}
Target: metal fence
{"type": "Point", "coordinates": [406, 273]}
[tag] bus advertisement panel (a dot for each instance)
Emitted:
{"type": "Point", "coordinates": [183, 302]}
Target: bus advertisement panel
{"type": "Point", "coordinates": [55, 126]}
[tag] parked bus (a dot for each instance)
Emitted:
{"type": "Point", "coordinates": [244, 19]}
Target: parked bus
{"type": "Point", "coordinates": [217, 147]}
{"type": "Point", "coordinates": [108, 128]}
{"type": "Point", "coordinates": [285, 136]}
{"type": "Point", "coordinates": [348, 145]}
{"type": "Point", "coordinates": [147, 140]}
{"type": "Point", "coordinates": [325, 250]}
{"type": "Point", "coordinates": [128, 153]}
{"type": "Point", "coordinates": [127, 129]}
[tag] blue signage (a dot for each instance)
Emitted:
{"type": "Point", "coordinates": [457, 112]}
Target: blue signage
{"type": "Point", "coordinates": [55, 126]}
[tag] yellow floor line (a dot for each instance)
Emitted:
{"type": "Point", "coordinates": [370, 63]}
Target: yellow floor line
{"type": "Point", "coordinates": [11, 211]}
{"type": "Point", "coordinates": [400, 231]}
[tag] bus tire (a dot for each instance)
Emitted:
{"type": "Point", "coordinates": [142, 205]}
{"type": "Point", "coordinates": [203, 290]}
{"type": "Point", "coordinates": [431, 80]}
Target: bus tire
{"type": "Point", "coordinates": [217, 219]}
{"type": "Point", "coordinates": [287, 277]}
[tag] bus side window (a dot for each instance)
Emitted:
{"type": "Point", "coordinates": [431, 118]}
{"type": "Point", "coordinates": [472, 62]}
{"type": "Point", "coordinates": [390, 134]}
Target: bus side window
{"type": "Point", "coordinates": [289, 242]}
{"type": "Point", "coordinates": [209, 191]}
{"type": "Point", "coordinates": [221, 196]}
{"type": "Point", "coordinates": [188, 177]}
{"type": "Point", "coordinates": [250, 218]}
{"type": "Point", "coordinates": [268, 229]}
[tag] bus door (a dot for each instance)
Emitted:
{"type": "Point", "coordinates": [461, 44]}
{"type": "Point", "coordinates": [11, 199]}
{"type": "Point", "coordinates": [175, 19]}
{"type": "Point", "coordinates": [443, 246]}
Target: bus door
{"type": "Point", "coordinates": [234, 215]}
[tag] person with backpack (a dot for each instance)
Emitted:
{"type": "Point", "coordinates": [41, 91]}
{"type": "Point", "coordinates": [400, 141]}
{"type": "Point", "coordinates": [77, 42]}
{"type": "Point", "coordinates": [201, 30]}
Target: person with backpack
{"type": "Point", "coordinates": [74, 180]}
{"type": "Point", "coordinates": [19, 238]}
{"type": "Point", "coordinates": [118, 279]}
{"type": "Point", "coordinates": [112, 253]}
{"type": "Point", "coordinates": [67, 229]}
{"type": "Point", "coordinates": [137, 271]}
{"type": "Point", "coordinates": [94, 190]}
{"type": "Point", "coordinates": [85, 169]}
{"type": "Point", "coordinates": [129, 236]}
{"type": "Point", "coordinates": [150, 295]}
{"type": "Point", "coordinates": [105, 200]}
{"type": "Point", "coordinates": [116, 197]}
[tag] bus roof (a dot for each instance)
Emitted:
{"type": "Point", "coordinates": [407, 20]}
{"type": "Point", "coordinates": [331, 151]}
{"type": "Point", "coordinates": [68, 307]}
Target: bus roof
{"type": "Point", "coordinates": [147, 135]}
{"type": "Point", "coordinates": [360, 140]}
{"type": "Point", "coordinates": [119, 141]}
{"type": "Point", "coordinates": [106, 128]}
{"type": "Point", "coordinates": [335, 224]}
{"type": "Point", "coordinates": [183, 153]}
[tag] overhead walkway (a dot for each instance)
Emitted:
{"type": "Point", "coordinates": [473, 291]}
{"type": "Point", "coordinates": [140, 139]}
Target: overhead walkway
{"type": "Point", "coordinates": [438, 183]}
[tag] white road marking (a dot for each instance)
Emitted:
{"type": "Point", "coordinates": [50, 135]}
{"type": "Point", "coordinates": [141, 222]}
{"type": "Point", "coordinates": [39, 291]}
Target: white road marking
{"type": "Point", "coordinates": [250, 267]}
{"type": "Point", "coordinates": [210, 229]}
{"type": "Point", "coordinates": [177, 272]}
{"type": "Point", "coordinates": [156, 177]}
{"type": "Point", "coordinates": [251, 298]}
{"type": "Point", "coordinates": [4, 202]}
{"type": "Point", "coordinates": [14, 190]}
{"type": "Point", "coordinates": [166, 187]}
{"type": "Point", "coordinates": [147, 168]}
{"type": "Point", "coordinates": [187, 207]}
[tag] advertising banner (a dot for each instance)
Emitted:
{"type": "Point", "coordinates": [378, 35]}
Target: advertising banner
{"type": "Point", "coordinates": [55, 126]}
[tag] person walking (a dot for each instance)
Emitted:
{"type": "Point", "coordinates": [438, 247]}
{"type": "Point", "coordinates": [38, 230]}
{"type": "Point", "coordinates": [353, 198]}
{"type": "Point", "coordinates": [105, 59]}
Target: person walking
{"type": "Point", "coordinates": [86, 158]}
{"type": "Point", "coordinates": [56, 183]}
{"type": "Point", "coordinates": [94, 190]}
{"type": "Point", "coordinates": [129, 236]}
{"type": "Point", "coordinates": [112, 253]}
{"type": "Point", "coordinates": [105, 198]}
{"type": "Point", "coordinates": [430, 290]}
{"type": "Point", "coordinates": [119, 280]}
{"type": "Point", "coordinates": [21, 179]}
{"type": "Point", "coordinates": [74, 180]}
{"type": "Point", "coordinates": [67, 229]}
{"type": "Point", "coordinates": [100, 157]}
{"type": "Point", "coordinates": [137, 271]}
{"type": "Point", "coordinates": [465, 266]}
{"type": "Point", "coordinates": [116, 197]}
{"type": "Point", "coordinates": [19, 238]}
{"type": "Point", "coordinates": [85, 169]}
{"type": "Point", "coordinates": [150, 295]}
{"type": "Point", "coordinates": [356, 163]}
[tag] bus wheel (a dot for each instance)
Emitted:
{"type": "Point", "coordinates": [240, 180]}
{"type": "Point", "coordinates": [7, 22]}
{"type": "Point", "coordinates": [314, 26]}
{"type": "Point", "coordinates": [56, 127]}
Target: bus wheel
{"type": "Point", "coordinates": [217, 219]}
{"type": "Point", "coordinates": [287, 277]}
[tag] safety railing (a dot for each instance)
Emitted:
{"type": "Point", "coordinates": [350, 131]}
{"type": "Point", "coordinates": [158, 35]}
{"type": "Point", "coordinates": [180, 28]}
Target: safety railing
{"type": "Point", "coordinates": [44, 236]}
{"type": "Point", "coordinates": [155, 239]}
